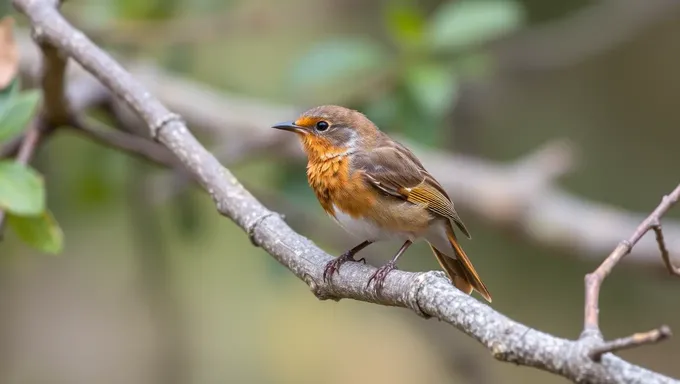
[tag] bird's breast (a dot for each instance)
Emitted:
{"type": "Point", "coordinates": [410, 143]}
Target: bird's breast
{"type": "Point", "coordinates": [336, 187]}
{"type": "Point", "coordinates": [359, 208]}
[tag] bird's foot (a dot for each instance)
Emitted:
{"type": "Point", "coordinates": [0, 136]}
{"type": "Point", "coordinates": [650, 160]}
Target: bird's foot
{"type": "Point", "coordinates": [378, 278]}
{"type": "Point", "coordinates": [334, 265]}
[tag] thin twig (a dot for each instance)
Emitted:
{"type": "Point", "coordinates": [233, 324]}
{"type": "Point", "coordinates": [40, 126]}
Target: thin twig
{"type": "Point", "coordinates": [665, 255]}
{"type": "Point", "coordinates": [594, 280]}
{"type": "Point", "coordinates": [11, 148]}
{"type": "Point", "coordinates": [138, 146]}
{"type": "Point", "coordinates": [30, 143]}
{"type": "Point", "coordinates": [56, 108]}
{"type": "Point", "coordinates": [636, 340]}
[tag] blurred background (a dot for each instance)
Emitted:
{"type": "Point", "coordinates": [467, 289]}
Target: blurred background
{"type": "Point", "coordinates": [151, 290]}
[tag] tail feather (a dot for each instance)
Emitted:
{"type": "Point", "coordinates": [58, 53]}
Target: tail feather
{"type": "Point", "coordinates": [454, 269]}
{"type": "Point", "coordinates": [460, 270]}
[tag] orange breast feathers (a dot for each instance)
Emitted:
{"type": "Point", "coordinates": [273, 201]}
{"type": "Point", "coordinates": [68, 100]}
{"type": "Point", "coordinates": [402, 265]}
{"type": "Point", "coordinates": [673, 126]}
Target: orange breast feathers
{"type": "Point", "coordinates": [328, 173]}
{"type": "Point", "coordinates": [337, 189]}
{"type": "Point", "coordinates": [329, 176]}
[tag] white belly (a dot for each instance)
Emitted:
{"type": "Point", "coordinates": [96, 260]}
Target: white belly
{"type": "Point", "coordinates": [364, 229]}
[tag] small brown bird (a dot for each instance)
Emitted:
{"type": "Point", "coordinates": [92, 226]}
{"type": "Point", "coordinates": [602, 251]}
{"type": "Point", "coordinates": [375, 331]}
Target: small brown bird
{"type": "Point", "coordinates": [377, 189]}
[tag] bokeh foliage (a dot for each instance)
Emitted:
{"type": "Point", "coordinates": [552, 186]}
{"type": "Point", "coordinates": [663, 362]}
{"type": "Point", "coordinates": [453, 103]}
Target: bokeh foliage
{"type": "Point", "coordinates": [409, 81]}
{"type": "Point", "coordinates": [405, 64]}
{"type": "Point", "coordinates": [22, 189]}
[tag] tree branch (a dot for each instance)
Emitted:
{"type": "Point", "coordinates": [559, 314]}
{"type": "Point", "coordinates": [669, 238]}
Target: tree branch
{"type": "Point", "coordinates": [139, 146]}
{"type": "Point", "coordinates": [11, 148]}
{"type": "Point", "coordinates": [579, 36]}
{"type": "Point", "coordinates": [428, 294]}
{"type": "Point", "coordinates": [594, 280]}
{"type": "Point", "coordinates": [665, 255]}
{"type": "Point", "coordinates": [30, 142]}
{"type": "Point", "coordinates": [638, 339]}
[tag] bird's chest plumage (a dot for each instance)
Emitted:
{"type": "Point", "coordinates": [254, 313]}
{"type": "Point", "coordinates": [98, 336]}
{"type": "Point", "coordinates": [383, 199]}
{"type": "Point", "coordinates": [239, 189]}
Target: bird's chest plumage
{"type": "Point", "coordinates": [359, 208]}
{"type": "Point", "coordinates": [333, 184]}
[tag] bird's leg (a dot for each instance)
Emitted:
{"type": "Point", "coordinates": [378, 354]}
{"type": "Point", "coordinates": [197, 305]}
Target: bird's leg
{"type": "Point", "coordinates": [334, 265]}
{"type": "Point", "coordinates": [380, 275]}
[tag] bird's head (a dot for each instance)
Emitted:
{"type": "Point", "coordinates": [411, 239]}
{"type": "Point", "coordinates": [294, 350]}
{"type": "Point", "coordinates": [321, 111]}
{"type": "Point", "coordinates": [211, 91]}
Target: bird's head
{"type": "Point", "coordinates": [331, 130]}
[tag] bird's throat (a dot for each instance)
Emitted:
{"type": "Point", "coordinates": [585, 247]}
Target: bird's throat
{"type": "Point", "coordinates": [319, 149]}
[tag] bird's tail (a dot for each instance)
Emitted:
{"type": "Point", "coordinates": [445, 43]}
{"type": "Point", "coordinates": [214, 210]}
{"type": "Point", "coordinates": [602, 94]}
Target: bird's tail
{"type": "Point", "coordinates": [460, 270]}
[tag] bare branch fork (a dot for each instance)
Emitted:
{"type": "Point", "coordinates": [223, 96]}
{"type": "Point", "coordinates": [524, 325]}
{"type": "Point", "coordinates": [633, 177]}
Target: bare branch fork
{"type": "Point", "coordinates": [428, 294]}
{"type": "Point", "coordinates": [593, 282]}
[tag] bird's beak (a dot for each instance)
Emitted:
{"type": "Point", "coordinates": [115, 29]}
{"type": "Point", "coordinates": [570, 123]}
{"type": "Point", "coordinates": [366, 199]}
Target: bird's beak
{"type": "Point", "coordinates": [290, 126]}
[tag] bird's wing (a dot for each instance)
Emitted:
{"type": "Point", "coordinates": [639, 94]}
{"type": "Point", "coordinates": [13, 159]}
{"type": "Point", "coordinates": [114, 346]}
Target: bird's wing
{"type": "Point", "coordinates": [395, 170]}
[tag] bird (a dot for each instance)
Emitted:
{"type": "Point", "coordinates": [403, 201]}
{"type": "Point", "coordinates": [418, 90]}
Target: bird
{"type": "Point", "coordinates": [377, 190]}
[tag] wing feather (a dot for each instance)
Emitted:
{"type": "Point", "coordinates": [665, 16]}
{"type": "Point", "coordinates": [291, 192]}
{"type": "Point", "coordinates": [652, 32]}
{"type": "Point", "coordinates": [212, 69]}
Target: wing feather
{"type": "Point", "coordinates": [394, 170]}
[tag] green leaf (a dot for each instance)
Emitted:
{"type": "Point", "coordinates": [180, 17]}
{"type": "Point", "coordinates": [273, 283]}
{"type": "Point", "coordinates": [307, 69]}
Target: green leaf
{"type": "Point", "coordinates": [17, 113]}
{"type": "Point", "coordinates": [9, 91]}
{"type": "Point", "coordinates": [433, 87]}
{"type": "Point", "coordinates": [406, 23]}
{"type": "Point", "coordinates": [7, 94]}
{"type": "Point", "coordinates": [99, 181]}
{"type": "Point", "coordinates": [337, 60]}
{"type": "Point", "coordinates": [41, 232]}
{"type": "Point", "coordinates": [22, 189]}
{"type": "Point", "coordinates": [458, 24]}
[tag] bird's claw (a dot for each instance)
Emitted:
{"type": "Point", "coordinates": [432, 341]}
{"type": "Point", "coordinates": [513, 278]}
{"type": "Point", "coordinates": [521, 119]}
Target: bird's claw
{"type": "Point", "coordinates": [334, 265]}
{"type": "Point", "coordinates": [378, 278]}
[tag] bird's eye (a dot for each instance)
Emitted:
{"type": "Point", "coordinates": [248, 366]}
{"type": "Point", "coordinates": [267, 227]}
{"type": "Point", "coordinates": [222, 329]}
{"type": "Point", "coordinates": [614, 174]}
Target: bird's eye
{"type": "Point", "coordinates": [322, 126]}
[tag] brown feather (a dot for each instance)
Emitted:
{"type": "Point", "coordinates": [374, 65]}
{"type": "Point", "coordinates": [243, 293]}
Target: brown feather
{"type": "Point", "coordinates": [395, 170]}
{"type": "Point", "coordinates": [454, 269]}
{"type": "Point", "coordinates": [469, 272]}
